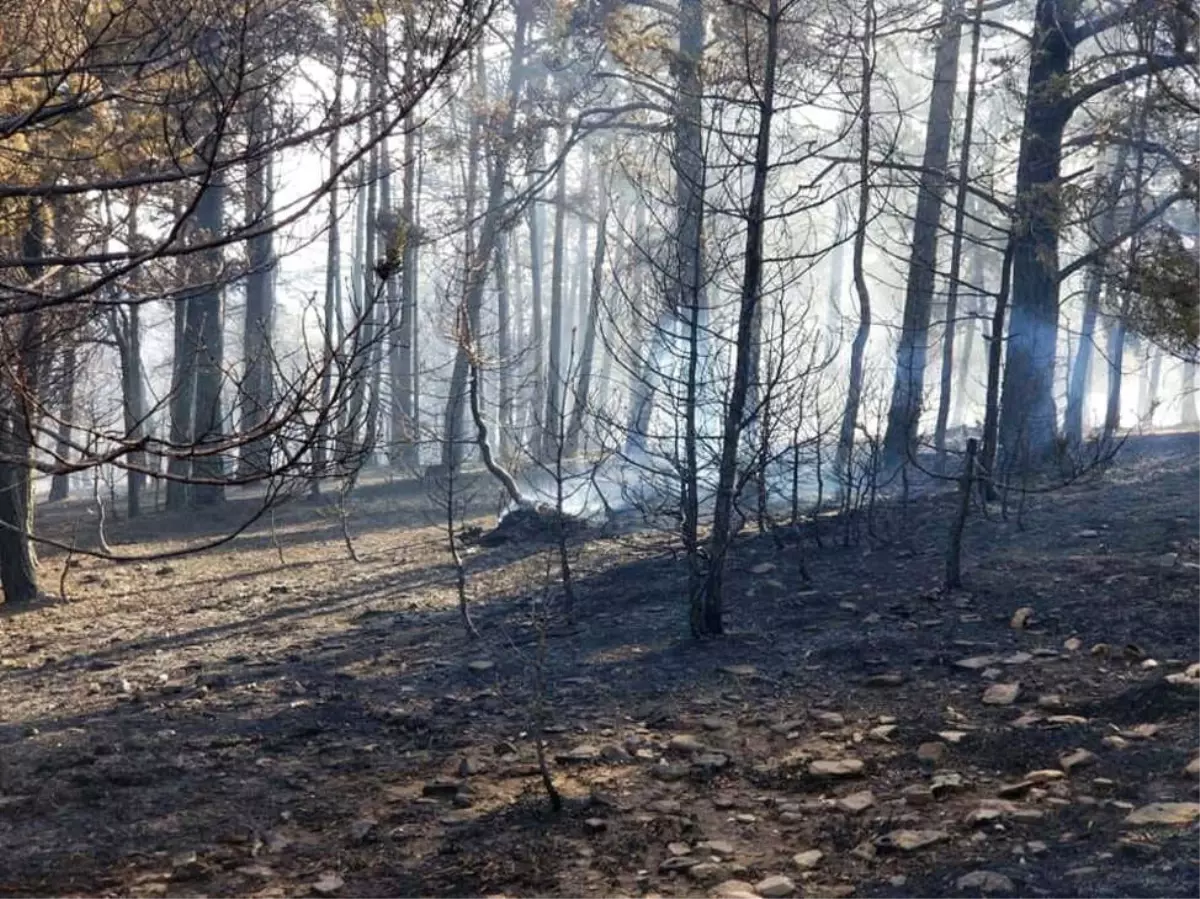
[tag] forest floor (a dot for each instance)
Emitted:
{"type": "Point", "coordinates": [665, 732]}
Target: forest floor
{"type": "Point", "coordinates": [272, 718]}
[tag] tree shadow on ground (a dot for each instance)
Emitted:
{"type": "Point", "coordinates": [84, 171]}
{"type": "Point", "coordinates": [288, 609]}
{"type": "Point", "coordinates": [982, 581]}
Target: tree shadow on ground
{"type": "Point", "coordinates": [299, 739]}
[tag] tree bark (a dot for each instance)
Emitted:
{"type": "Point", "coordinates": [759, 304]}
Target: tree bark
{"type": "Point", "coordinates": [257, 388]}
{"type": "Point", "coordinates": [708, 606]}
{"type": "Point", "coordinates": [587, 354]}
{"type": "Point", "coordinates": [1027, 413]}
{"type": "Point", "coordinates": [908, 385]}
{"type": "Point", "coordinates": [845, 447]}
{"type": "Point", "coordinates": [946, 385]}
{"type": "Point", "coordinates": [60, 483]}
{"type": "Point", "coordinates": [1077, 389]}
{"type": "Point", "coordinates": [555, 375]}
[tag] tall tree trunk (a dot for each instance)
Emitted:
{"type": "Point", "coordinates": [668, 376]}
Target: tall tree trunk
{"type": "Point", "coordinates": [331, 313]}
{"type": "Point", "coordinates": [908, 385]}
{"type": "Point", "coordinates": [991, 403]}
{"type": "Point", "coordinates": [504, 344]}
{"type": "Point", "coordinates": [1151, 384]}
{"type": "Point", "coordinates": [1189, 415]}
{"type": "Point", "coordinates": [1077, 389]}
{"type": "Point", "coordinates": [537, 325]}
{"type": "Point", "coordinates": [18, 394]}
{"type": "Point", "coordinates": [257, 389]}
{"type": "Point", "coordinates": [355, 448]}
{"type": "Point", "coordinates": [960, 210]}
{"type": "Point", "coordinates": [206, 339]}
{"type": "Point", "coordinates": [555, 374]}
{"type": "Point", "coordinates": [707, 607]}
{"type": "Point", "coordinates": [1027, 413]}
{"type": "Point", "coordinates": [587, 353]}
{"type": "Point", "coordinates": [845, 447]}
{"type": "Point", "coordinates": [60, 483]}
{"type": "Point", "coordinates": [482, 250]}
{"type": "Point", "coordinates": [468, 315]}
{"type": "Point", "coordinates": [182, 401]}
{"type": "Point", "coordinates": [404, 430]}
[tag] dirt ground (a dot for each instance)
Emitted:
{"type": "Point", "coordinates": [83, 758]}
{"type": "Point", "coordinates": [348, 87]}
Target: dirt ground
{"type": "Point", "coordinates": [273, 718]}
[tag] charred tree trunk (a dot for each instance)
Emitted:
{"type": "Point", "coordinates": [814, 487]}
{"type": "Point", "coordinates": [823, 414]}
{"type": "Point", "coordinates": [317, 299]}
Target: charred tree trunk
{"type": "Point", "coordinates": [587, 354]}
{"type": "Point", "coordinates": [1027, 413]}
{"type": "Point", "coordinates": [707, 607]}
{"type": "Point", "coordinates": [845, 447]}
{"type": "Point", "coordinates": [331, 314]}
{"type": "Point", "coordinates": [908, 385]}
{"type": "Point", "coordinates": [946, 384]}
{"type": "Point", "coordinates": [1077, 389]}
{"type": "Point", "coordinates": [555, 374]}
{"type": "Point", "coordinates": [18, 393]}
{"type": "Point", "coordinates": [206, 344]}
{"type": "Point", "coordinates": [257, 388]}
{"type": "Point", "coordinates": [60, 483]}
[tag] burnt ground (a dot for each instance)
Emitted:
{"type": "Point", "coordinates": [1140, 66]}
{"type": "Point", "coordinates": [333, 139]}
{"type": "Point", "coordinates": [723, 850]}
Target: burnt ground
{"type": "Point", "coordinates": [272, 718]}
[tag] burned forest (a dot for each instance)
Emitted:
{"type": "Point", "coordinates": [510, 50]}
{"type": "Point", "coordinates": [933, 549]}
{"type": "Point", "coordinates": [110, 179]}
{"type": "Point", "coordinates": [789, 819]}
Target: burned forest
{"type": "Point", "coordinates": [649, 448]}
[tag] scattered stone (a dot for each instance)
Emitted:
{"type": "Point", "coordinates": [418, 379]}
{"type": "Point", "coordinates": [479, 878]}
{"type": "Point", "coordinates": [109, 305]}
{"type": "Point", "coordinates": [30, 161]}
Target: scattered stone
{"type": "Point", "coordinates": [362, 828]}
{"type": "Point", "coordinates": [931, 753]}
{"type": "Point", "coordinates": [1072, 644]}
{"type": "Point", "coordinates": [1193, 767]}
{"type": "Point", "coordinates": [584, 752]}
{"type": "Point", "coordinates": [843, 767]}
{"type": "Point", "coordinates": [1101, 650]}
{"type": "Point", "coordinates": [1066, 720]}
{"type": "Point", "coordinates": [953, 737]}
{"type": "Point", "coordinates": [990, 673]}
{"type": "Point", "coordinates": [733, 889]}
{"type": "Point", "coordinates": [745, 818]}
{"type": "Point", "coordinates": [262, 871]}
{"type": "Point", "coordinates": [1166, 560]}
{"type": "Point", "coordinates": [595, 825]}
{"type": "Point", "coordinates": [710, 761]}
{"type": "Point", "coordinates": [1178, 814]}
{"type": "Point", "coordinates": [984, 882]}
{"type": "Point", "coordinates": [762, 568]}
{"type": "Point", "coordinates": [1077, 759]}
{"type": "Point", "coordinates": [481, 665]}
{"type": "Point", "coordinates": [669, 773]}
{"type": "Point", "coordinates": [865, 850]}
{"type": "Point", "coordinates": [893, 679]}
{"type": "Point", "coordinates": [707, 872]}
{"type": "Point", "coordinates": [677, 863]}
{"type": "Point", "coordinates": [1014, 790]}
{"type": "Point", "coordinates": [1149, 664]}
{"type": "Point", "coordinates": [739, 670]}
{"type": "Point", "coordinates": [615, 754]}
{"type": "Point", "coordinates": [917, 794]}
{"type": "Point", "coordinates": [776, 886]}
{"type": "Point", "coordinates": [808, 859]}
{"type": "Point", "coordinates": [857, 803]}
{"type": "Point", "coordinates": [684, 743]}
{"type": "Point", "coordinates": [1036, 847]}
{"type": "Point", "coordinates": [678, 849]}
{"type": "Point", "coordinates": [1018, 658]}
{"type": "Point", "coordinates": [1088, 534]}
{"type": "Point", "coordinates": [1021, 618]}
{"type": "Point", "coordinates": [910, 840]}
{"type": "Point", "coordinates": [1050, 701]}
{"type": "Point", "coordinates": [441, 788]}
{"type": "Point", "coordinates": [1083, 871]}
{"type": "Point", "coordinates": [328, 883]}
{"type": "Point", "coordinates": [665, 807]}
{"type": "Point", "coordinates": [833, 719]}
{"type": "Point", "coordinates": [975, 663]}
{"type": "Point", "coordinates": [1140, 732]}
{"type": "Point", "coordinates": [942, 784]}
{"type": "Point", "coordinates": [721, 848]}
{"type": "Point", "coordinates": [713, 724]}
{"type": "Point", "coordinates": [990, 810]}
{"type": "Point", "coordinates": [882, 733]}
{"type": "Point", "coordinates": [1115, 741]}
{"type": "Point", "coordinates": [1001, 694]}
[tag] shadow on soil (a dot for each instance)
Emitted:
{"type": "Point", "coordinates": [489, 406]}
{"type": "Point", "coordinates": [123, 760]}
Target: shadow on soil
{"type": "Point", "coordinates": [283, 759]}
